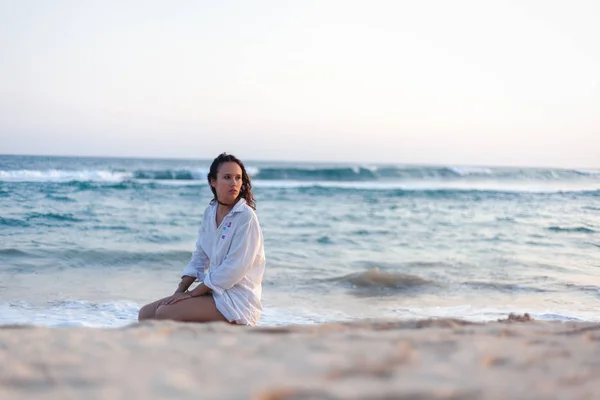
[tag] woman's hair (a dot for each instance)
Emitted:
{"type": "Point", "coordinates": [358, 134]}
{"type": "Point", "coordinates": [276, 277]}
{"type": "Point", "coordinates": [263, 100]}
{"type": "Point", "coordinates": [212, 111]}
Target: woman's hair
{"type": "Point", "coordinates": [245, 191]}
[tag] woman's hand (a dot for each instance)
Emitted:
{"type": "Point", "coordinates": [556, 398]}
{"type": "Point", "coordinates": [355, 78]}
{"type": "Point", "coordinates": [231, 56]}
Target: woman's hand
{"type": "Point", "coordinates": [177, 298]}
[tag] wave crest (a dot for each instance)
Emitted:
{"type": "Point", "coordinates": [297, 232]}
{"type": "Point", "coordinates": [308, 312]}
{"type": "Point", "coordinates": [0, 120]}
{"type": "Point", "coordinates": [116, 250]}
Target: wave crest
{"type": "Point", "coordinates": [435, 181]}
{"type": "Point", "coordinates": [318, 174]}
{"type": "Point", "coordinates": [176, 175]}
{"type": "Point", "coordinates": [575, 229]}
{"type": "Point", "coordinates": [57, 175]}
{"type": "Point", "coordinates": [375, 281]}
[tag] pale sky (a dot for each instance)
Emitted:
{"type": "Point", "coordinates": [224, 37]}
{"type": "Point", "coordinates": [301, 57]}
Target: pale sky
{"type": "Point", "coordinates": [445, 82]}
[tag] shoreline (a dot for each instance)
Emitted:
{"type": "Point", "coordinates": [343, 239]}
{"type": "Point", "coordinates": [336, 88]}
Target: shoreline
{"type": "Point", "coordinates": [428, 358]}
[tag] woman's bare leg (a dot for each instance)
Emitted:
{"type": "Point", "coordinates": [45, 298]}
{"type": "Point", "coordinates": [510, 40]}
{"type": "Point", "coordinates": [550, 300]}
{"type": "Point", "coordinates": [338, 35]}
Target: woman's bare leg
{"type": "Point", "coordinates": [195, 309]}
{"type": "Point", "coordinates": [149, 310]}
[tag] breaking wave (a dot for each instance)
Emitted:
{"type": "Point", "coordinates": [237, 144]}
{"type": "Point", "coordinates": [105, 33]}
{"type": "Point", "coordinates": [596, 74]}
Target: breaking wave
{"type": "Point", "coordinates": [375, 281]}
{"type": "Point", "coordinates": [315, 173]}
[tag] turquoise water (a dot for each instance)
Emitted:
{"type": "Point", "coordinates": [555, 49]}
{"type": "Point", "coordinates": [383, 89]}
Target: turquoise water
{"type": "Point", "coordinates": [87, 241]}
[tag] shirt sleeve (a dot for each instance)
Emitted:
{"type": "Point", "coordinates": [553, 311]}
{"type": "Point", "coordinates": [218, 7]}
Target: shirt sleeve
{"type": "Point", "coordinates": [199, 260]}
{"type": "Point", "coordinates": [246, 245]}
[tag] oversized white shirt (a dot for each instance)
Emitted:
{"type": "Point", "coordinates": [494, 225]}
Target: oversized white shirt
{"type": "Point", "coordinates": [230, 260]}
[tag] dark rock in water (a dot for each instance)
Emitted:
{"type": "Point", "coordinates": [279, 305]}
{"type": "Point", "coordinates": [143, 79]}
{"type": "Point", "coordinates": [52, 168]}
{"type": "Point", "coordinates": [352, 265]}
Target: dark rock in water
{"type": "Point", "coordinates": [517, 318]}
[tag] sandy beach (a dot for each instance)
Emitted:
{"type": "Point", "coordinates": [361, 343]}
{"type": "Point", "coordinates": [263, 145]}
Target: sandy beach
{"type": "Point", "coordinates": [425, 359]}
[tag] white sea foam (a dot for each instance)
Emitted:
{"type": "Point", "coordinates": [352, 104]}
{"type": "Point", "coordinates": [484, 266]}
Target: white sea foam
{"type": "Point", "coordinates": [72, 313]}
{"type": "Point", "coordinates": [114, 314]}
{"type": "Point", "coordinates": [252, 171]}
{"type": "Point", "coordinates": [56, 175]}
{"type": "Point", "coordinates": [466, 171]}
{"type": "Point", "coordinates": [481, 185]}
{"type": "Point", "coordinates": [478, 314]}
{"type": "Point", "coordinates": [588, 171]}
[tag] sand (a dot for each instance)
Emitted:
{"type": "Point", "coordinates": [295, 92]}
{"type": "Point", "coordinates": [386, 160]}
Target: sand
{"type": "Point", "coordinates": [426, 359]}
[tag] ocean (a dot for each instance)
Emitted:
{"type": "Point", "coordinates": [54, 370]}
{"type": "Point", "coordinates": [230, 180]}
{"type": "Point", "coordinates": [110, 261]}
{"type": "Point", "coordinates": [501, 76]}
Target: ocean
{"type": "Point", "coordinates": [87, 241]}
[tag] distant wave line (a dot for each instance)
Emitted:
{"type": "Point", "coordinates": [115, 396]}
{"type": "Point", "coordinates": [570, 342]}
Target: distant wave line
{"type": "Point", "coordinates": [311, 174]}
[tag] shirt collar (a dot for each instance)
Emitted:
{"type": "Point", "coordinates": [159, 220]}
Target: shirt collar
{"type": "Point", "coordinates": [238, 207]}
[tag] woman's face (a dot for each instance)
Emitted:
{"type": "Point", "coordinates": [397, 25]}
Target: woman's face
{"type": "Point", "coordinates": [228, 183]}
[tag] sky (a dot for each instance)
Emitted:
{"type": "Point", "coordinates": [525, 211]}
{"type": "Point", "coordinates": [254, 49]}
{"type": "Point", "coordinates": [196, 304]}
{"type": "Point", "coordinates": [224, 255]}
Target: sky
{"type": "Point", "coordinates": [427, 82]}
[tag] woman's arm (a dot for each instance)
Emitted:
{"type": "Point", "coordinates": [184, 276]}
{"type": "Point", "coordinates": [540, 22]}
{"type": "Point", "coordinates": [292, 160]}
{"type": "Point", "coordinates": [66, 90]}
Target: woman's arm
{"type": "Point", "coordinates": [195, 268]}
{"type": "Point", "coordinates": [186, 282]}
{"type": "Point", "coordinates": [199, 290]}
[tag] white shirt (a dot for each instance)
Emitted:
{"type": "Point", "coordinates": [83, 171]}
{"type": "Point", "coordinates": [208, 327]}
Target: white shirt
{"type": "Point", "coordinates": [230, 260]}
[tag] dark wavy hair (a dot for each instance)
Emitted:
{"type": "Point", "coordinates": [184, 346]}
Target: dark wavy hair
{"type": "Point", "coordinates": [245, 191]}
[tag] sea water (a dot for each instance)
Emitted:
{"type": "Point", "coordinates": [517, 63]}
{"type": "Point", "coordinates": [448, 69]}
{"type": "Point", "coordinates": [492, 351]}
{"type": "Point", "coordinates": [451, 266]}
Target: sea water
{"type": "Point", "coordinates": [87, 241]}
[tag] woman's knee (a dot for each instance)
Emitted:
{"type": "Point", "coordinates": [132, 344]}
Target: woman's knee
{"type": "Point", "coordinates": [146, 312]}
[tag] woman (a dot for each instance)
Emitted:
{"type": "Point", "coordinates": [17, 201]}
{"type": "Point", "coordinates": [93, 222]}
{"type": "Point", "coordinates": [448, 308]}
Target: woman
{"type": "Point", "coordinates": [229, 259]}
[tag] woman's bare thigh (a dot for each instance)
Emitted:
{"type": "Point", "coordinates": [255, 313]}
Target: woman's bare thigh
{"type": "Point", "coordinates": [195, 309]}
